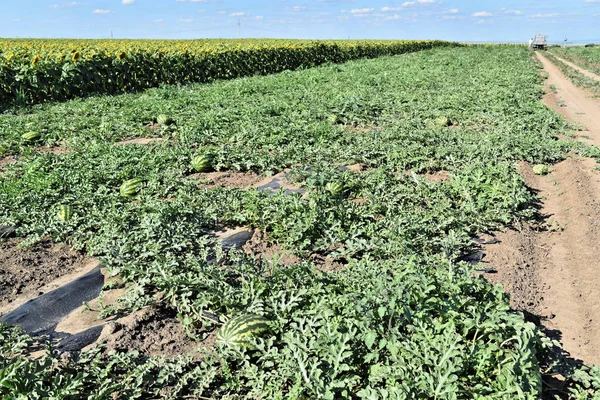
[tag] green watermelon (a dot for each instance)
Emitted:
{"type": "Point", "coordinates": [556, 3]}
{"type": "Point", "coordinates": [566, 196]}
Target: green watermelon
{"type": "Point", "coordinates": [540, 169]}
{"type": "Point", "coordinates": [131, 187]}
{"type": "Point", "coordinates": [335, 188]}
{"type": "Point", "coordinates": [65, 212]}
{"type": "Point", "coordinates": [238, 331]}
{"type": "Point", "coordinates": [31, 136]}
{"type": "Point", "coordinates": [443, 121]}
{"type": "Point", "coordinates": [202, 163]}
{"type": "Point", "coordinates": [163, 119]}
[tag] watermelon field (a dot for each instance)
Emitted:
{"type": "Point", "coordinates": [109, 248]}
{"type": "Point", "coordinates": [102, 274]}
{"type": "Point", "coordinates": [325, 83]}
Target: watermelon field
{"type": "Point", "coordinates": [354, 279]}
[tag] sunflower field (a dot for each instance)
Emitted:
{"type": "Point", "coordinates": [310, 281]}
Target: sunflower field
{"type": "Point", "coordinates": [35, 70]}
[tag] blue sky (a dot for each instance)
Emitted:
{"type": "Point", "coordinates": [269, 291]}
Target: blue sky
{"type": "Point", "coordinates": [495, 20]}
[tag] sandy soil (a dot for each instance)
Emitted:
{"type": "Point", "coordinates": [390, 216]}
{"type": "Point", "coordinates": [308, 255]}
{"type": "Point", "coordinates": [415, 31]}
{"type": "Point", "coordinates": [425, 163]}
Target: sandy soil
{"type": "Point", "coordinates": [585, 72]}
{"type": "Point", "coordinates": [227, 179]}
{"type": "Point", "coordinates": [551, 271]}
{"type": "Point", "coordinates": [578, 107]}
{"type": "Point", "coordinates": [27, 273]}
{"type": "Point", "coordinates": [153, 332]}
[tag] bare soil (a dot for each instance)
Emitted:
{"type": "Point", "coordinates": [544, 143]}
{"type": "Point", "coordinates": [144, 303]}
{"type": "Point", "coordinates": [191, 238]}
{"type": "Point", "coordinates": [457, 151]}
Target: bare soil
{"type": "Point", "coordinates": [358, 167]}
{"type": "Point", "coordinates": [578, 106]}
{"type": "Point", "coordinates": [227, 179]}
{"type": "Point", "coordinates": [26, 273]}
{"type": "Point", "coordinates": [551, 271]}
{"type": "Point", "coordinates": [57, 150]}
{"type": "Point", "coordinates": [153, 332]}
{"type": "Point", "coordinates": [4, 161]}
{"type": "Point", "coordinates": [260, 248]}
{"type": "Point", "coordinates": [511, 258]}
{"type": "Point", "coordinates": [439, 176]}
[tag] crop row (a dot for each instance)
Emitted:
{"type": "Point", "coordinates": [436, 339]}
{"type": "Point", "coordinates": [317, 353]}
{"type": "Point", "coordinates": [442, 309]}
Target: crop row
{"type": "Point", "coordinates": [404, 318]}
{"type": "Point", "coordinates": [585, 57]}
{"type": "Point", "coordinates": [34, 71]}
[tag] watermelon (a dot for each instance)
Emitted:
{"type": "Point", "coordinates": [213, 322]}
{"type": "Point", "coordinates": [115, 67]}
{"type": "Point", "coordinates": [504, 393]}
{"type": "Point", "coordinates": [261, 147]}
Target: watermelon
{"type": "Point", "coordinates": [163, 119]}
{"type": "Point", "coordinates": [443, 121]}
{"type": "Point", "coordinates": [31, 136]}
{"type": "Point", "coordinates": [131, 187]}
{"type": "Point", "coordinates": [335, 188]}
{"type": "Point", "coordinates": [202, 163]}
{"type": "Point", "coordinates": [540, 169]}
{"type": "Point", "coordinates": [65, 212]}
{"type": "Point", "coordinates": [238, 331]}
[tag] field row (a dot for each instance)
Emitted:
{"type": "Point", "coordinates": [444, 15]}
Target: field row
{"type": "Point", "coordinates": [34, 71]}
{"type": "Point", "coordinates": [435, 134]}
{"type": "Point", "coordinates": [586, 57]}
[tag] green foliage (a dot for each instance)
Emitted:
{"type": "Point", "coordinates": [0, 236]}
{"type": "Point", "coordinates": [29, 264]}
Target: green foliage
{"type": "Point", "coordinates": [587, 57]}
{"type": "Point", "coordinates": [577, 77]}
{"type": "Point", "coordinates": [404, 318]}
{"type": "Point", "coordinates": [35, 70]}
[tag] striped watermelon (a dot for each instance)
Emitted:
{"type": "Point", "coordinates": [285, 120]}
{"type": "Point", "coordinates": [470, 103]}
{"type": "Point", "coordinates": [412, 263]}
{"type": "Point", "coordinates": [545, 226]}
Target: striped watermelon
{"type": "Point", "coordinates": [65, 212]}
{"type": "Point", "coordinates": [131, 187]}
{"type": "Point", "coordinates": [335, 188]}
{"type": "Point", "coordinates": [239, 330]}
{"type": "Point", "coordinates": [443, 121]}
{"type": "Point", "coordinates": [202, 163]}
{"type": "Point", "coordinates": [163, 119]}
{"type": "Point", "coordinates": [31, 137]}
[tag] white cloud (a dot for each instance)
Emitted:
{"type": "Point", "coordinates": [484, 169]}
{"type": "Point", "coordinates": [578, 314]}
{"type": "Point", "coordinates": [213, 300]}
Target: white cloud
{"type": "Point", "coordinates": [412, 3]}
{"type": "Point", "coordinates": [550, 15]}
{"type": "Point", "coordinates": [390, 9]}
{"type": "Point", "coordinates": [237, 14]}
{"type": "Point", "coordinates": [297, 8]}
{"type": "Point", "coordinates": [591, 1]}
{"type": "Point", "coordinates": [356, 11]}
{"type": "Point", "coordinates": [452, 11]}
{"type": "Point", "coordinates": [193, 1]}
{"type": "Point", "coordinates": [259, 17]}
{"type": "Point", "coordinates": [100, 11]}
{"type": "Point", "coordinates": [186, 20]}
{"type": "Point", "coordinates": [158, 21]}
{"type": "Point", "coordinates": [515, 12]}
{"type": "Point", "coordinates": [127, 2]}
{"type": "Point", "coordinates": [67, 5]}
{"type": "Point", "coordinates": [483, 14]}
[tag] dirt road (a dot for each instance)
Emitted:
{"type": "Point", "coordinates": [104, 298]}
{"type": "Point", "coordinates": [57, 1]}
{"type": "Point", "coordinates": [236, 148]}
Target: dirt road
{"type": "Point", "coordinates": [585, 72]}
{"type": "Point", "coordinates": [555, 273]}
{"type": "Point", "coordinates": [577, 106]}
